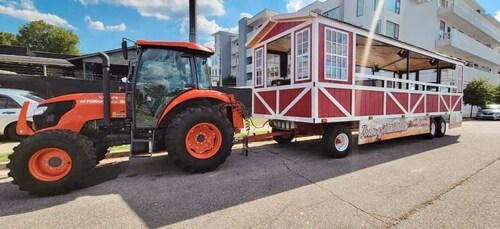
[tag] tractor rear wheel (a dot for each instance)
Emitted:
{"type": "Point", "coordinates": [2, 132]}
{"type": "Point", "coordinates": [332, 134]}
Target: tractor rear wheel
{"type": "Point", "coordinates": [101, 150]}
{"type": "Point", "coordinates": [52, 162]}
{"type": "Point", "coordinates": [199, 139]}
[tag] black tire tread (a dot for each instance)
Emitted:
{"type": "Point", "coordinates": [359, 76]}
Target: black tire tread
{"type": "Point", "coordinates": [328, 145]}
{"type": "Point", "coordinates": [439, 122]}
{"type": "Point", "coordinates": [18, 163]}
{"type": "Point", "coordinates": [281, 139]}
{"type": "Point", "coordinates": [174, 142]}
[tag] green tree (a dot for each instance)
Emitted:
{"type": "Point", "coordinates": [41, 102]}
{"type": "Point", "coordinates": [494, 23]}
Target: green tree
{"type": "Point", "coordinates": [479, 93]}
{"type": "Point", "coordinates": [40, 36]}
{"type": "Point", "coordinates": [7, 38]}
{"type": "Point", "coordinates": [497, 96]}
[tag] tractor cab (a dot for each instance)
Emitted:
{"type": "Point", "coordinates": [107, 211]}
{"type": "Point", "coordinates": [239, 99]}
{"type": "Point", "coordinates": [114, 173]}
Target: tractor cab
{"type": "Point", "coordinates": [163, 71]}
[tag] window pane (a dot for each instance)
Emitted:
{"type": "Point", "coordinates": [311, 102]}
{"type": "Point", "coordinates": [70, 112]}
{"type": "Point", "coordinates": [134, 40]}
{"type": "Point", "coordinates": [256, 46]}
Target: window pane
{"type": "Point", "coordinates": [360, 8]}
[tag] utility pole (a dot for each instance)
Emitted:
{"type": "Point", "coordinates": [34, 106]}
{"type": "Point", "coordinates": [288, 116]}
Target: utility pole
{"type": "Point", "coordinates": [192, 21]}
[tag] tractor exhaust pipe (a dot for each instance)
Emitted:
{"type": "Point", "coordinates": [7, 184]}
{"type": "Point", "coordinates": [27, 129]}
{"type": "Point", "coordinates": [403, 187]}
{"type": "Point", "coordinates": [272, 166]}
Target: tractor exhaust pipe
{"type": "Point", "coordinates": [105, 88]}
{"type": "Point", "coordinates": [192, 21]}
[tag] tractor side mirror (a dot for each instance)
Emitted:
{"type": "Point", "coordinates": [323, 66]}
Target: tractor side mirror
{"type": "Point", "coordinates": [125, 49]}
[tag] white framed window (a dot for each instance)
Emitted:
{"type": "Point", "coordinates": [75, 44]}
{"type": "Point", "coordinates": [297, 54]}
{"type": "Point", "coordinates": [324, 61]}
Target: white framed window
{"type": "Point", "coordinates": [336, 55]}
{"type": "Point", "coordinates": [259, 67]}
{"type": "Point", "coordinates": [302, 60]}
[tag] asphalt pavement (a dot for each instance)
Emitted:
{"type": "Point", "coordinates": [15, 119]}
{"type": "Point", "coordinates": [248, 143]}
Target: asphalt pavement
{"type": "Point", "coordinates": [405, 183]}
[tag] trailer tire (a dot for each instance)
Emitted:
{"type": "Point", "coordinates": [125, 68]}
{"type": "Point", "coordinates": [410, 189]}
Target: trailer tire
{"type": "Point", "coordinates": [70, 156]}
{"type": "Point", "coordinates": [432, 129]}
{"type": "Point", "coordinates": [283, 139]}
{"type": "Point", "coordinates": [337, 141]}
{"type": "Point", "coordinates": [199, 139]}
{"type": "Point", "coordinates": [440, 127]}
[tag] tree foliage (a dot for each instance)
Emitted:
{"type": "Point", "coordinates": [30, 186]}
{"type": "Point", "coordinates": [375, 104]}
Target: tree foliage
{"type": "Point", "coordinates": [40, 36]}
{"type": "Point", "coordinates": [497, 96]}
{"type": "Point", "coordinates": [479, 92]}
{"type": "Point", "coordinates": [7, 38]}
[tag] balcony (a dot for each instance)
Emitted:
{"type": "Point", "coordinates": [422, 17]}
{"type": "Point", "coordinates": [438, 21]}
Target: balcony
{"type": "Point", "coordinates": [473, 22]}
{"type": "Point", "coordinates": [460, 45]}
{"type": "Point", "coordinates": [249, 68]}
{"type": "Point", "coordinates": [471, 73]}
{"type": "Point", "coordinates": [249, 53]}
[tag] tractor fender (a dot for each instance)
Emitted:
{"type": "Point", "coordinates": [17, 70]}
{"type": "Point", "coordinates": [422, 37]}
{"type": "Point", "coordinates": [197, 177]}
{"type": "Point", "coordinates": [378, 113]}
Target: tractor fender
{"type": "Point", "coordinates": [193, 95]}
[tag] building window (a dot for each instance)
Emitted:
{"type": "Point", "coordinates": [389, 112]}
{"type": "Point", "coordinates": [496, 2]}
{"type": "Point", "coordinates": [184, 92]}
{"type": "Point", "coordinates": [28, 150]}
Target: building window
{"type": "Point", "coordinates": [336, 54]}
{"type": "Point", "coordinates": [273, 69]}
{"type": "Point", "coordinates": [378, 28]}
{"type": "Point", "coordinates": [394, 6]}
{"type": "Point", "coordinates": [334, 13]}
{"type": "Point", "coordinates": [442, 30]}
{"type": "Point", "coordinates": [392, 30]}
{"type": "Point", "coordinates": [302, 50]}
{"type": "Point", "coordinates": [360, 8]}
{"type": "Point", "coordinates": [259, 62]}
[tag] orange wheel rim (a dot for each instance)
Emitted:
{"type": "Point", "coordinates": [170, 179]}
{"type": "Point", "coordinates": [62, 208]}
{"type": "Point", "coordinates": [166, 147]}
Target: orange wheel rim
{"type": "Point", "coordinates": [203, 140]}
{"type": "Point", "coordinates": [50, 164]}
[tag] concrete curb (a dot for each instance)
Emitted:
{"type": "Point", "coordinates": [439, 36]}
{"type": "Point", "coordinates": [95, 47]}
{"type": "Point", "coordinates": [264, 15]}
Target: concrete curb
{"type": "Point", "coordinates": [3, 166]}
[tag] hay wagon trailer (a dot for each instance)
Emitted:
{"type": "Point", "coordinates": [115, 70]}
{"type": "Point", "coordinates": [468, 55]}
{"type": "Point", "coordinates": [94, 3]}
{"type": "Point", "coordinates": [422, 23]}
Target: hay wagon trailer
{"type": "Point", "coordinates": [314, 75]}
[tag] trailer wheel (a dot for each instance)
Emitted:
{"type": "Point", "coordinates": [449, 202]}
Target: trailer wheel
{"type": "Point", "coordinates": [199, 139]}
{"type": "Point", "coordinates": [337, 141]}
{"type": "Point", "coordinates": [283, 139]}
{"type": "Point", "coordinates": [440, 127]}
{"type": "Point", "coordinates": [52, 162]}
{"type": "Point", "coordinates": [433, 129]}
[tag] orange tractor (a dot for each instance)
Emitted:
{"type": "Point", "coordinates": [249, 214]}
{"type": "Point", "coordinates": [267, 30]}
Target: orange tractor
{"type": "Point", "coordinates": [168, 105]}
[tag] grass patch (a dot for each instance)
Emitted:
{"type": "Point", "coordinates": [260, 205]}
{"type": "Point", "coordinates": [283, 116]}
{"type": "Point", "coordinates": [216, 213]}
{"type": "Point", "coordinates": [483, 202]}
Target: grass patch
{"type": "Point", "coordinates": [4, 157]}
{"type": "Point", "coordinates": [120, 148]}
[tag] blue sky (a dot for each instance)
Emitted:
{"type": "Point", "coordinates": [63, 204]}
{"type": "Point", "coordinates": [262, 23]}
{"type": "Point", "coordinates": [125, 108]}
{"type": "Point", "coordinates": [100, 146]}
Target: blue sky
{"type": "Point", "coordinates": [101, 24]}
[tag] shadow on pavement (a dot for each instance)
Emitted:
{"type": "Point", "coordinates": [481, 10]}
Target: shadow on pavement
{"type": "Point", "coordinates": [160, 194]}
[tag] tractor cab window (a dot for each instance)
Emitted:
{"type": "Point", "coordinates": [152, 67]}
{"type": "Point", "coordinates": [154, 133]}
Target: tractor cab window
{"type": "Point", "coordinates": [162, 74]}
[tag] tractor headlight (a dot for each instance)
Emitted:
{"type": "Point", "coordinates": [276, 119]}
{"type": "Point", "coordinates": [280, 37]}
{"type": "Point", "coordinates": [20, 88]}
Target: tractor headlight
{"type": "Point", "coordinates": [40, 110]}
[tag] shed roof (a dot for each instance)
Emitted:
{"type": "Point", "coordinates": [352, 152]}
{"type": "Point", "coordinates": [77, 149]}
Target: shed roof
{"type": "Point", "coordinates": [35, 60]}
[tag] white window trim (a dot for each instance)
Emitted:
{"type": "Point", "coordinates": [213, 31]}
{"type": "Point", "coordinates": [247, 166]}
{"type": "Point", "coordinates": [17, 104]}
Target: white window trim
{"type": "Point", "coordinates": [261, 67]}
{"type": "Point", "coordinates": [327, 29]}
{"type": "Point", "coordinates": [296, 56]}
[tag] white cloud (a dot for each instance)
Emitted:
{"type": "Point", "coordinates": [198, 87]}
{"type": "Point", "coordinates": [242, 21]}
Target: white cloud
{"type": "Point", "coordinates": [497, 16]}
{"type": "Point", "coordinates": [242, 15]}
{"type": "Point", "coordinates": [98, 25]}
{"type": "Point", "coordinates": [25, 10]}
{"type": "Point", "coordinates": [293, 6]}
{"type": "Point", "coordinates": [89, 2]}
{"type": "Point", "coordinates": [27, 4]}
{"type": "Point", "coordinates": [205, 27]}
{"type": "Point", "coordinates": [171, 9]}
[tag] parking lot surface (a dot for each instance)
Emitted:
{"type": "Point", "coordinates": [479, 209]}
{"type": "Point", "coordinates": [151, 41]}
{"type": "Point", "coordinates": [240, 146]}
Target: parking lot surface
{"type": "Point", "coordinates": [405, 183]}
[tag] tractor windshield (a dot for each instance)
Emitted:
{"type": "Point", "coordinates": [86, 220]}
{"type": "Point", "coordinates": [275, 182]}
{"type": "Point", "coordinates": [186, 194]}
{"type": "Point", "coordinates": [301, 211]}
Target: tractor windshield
{"type": "Point", "coordinates": [162, 74]}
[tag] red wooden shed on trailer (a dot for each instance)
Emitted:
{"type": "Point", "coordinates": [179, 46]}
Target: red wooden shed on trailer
{"type": "Point", "coordinates": [313, 74]}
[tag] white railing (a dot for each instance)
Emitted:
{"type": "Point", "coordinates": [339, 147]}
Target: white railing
{"type": "Point", "coordinates": [470, 45]}
{"type": "Point", "coordinates": [412, 85]}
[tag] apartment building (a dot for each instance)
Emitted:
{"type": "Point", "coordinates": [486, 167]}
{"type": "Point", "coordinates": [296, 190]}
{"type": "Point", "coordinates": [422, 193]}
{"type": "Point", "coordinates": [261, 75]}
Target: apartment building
{"type": "Point", "coordinates": [221, 61]}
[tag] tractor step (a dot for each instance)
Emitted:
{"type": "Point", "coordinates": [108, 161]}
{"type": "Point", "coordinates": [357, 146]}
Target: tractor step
{"type": "Point", "coordinates": [149, 138]}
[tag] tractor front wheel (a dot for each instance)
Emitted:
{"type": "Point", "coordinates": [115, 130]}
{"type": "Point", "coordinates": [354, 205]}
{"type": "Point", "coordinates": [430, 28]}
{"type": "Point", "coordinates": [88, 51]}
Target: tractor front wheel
{"type": "Point", "coordinates": [199, 139]}
{"type": "Point", "coordinates": [52, 162]}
